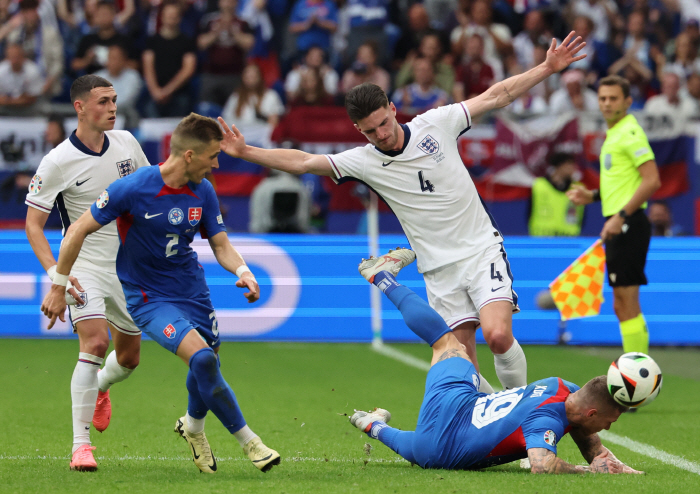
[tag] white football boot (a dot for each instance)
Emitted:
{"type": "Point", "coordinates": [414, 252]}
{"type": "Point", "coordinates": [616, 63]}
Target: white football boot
{"type": "Point", "coordinates": [363, 420]}
{"type": "Point", "coordinates": [394, 261]}
{"type": "Point", "coordinates": [201, 452]}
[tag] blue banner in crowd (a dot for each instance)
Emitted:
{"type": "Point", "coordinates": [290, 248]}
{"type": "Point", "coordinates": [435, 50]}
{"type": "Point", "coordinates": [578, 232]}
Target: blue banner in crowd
{"type": "Point", "coordinates": [311, 291]}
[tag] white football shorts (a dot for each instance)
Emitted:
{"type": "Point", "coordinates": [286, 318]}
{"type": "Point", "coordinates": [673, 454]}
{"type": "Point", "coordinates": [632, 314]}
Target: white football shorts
{"type": "Point", "coordinates": [459, 290]}
{"type": "Point", "coordinates": [105, 297]}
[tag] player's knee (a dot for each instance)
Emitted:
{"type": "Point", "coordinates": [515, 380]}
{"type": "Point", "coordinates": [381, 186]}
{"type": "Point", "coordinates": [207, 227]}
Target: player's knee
{"type": "Point", "coordinates": [96, 345]}
{"type": "Point", "coordinates": [499, 339]}
{"type": "Point", "coordinates": [130, 360]}
{"type": "Point", "coordinates": [204, 364]}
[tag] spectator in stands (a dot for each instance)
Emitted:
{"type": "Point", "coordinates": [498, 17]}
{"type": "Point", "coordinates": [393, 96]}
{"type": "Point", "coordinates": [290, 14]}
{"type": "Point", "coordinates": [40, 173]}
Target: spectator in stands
{"type": "Point", "coordinates": [368, 20]}
{"type": "Point", "coordinates": [169, 62]}
{"type": "Point", "coordinates": [253, 107]}
{"type": "Point", "coordinates": [55, 132]}
{"type": "Point", "coordinates": [574, 95]}
{"type": "Point", "coordinates": [21, 84]}
{"type": "Point", "coordinates": [546, 88]}
{"type": "Point", "coordinates": [280, 204]}
{"type": "Point", "coordinates": [417, 28]}
{"type": "Point", "coordinates": [76, 12]}
{"type": "Point", "coordinates": [313, 21]}
{"type": "Point", "coordinates": [365, 69]}
{"type": "Point", "coordinates": [423, 94]}
{"type": "Point", "coordinates": [226, 39]}
{"type": "Point", "coordinates": [497, 37]}
{"type": "Point", "coordinates": [313, 60]}
{"type": "Point", "coordinates": [636, 43]}
{"type": "Point", "coordinates": [692, 93]}
{"type": "Point", "coordinates": [430, 48]}
{"type": "Point", "coordinates": [6, 27]}
{"type": "Point", "coordinates": [599, 55]}
{"type": "Point", "coordinates": [311, 91]}
{"type": "Point", "coordinates": [529, 105]}
{"type": "Point", "coordinates": [684, 61]}
{"type": "Point", "coordinates": [42, 44]}
{"type": "Point", "coordinates": [474, 75]}
{"type": "Point", "coordinates": [459, 15]}
{"type": "Point", "coordinates": [671, 102]}
{"type": "Point", "coordinates": [661, 220]}
{"type": "Point", "coordinates": [603, 13]}
{"type": "Point", "coordinates": [255, 14]}
{"type": "Point", "coordinates": [93, 48]}
{"type": "Point", "coordinates": [534, 32]}
{"type": "Point", "coordinates": [127, 83]}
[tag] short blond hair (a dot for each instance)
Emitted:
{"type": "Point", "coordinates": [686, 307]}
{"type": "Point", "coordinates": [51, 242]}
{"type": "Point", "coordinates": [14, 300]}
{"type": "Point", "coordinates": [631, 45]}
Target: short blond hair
{"type": "Point", "coordinates": [195, 132]}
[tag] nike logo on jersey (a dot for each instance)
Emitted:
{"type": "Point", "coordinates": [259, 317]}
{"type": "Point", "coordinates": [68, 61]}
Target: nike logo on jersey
{"type": "Point", "coordinates": [149, 216]}
{"type": "Point", "coordinates": [496, 289]}
{"type": "Point", "coordinates": [387, 164]}
{"type": "Point", "coordinates": [78, 184]}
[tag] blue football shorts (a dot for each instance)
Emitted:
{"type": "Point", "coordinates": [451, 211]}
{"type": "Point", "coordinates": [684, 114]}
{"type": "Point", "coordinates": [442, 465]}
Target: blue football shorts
{"type": "Point", "coordinates": [168, 322]}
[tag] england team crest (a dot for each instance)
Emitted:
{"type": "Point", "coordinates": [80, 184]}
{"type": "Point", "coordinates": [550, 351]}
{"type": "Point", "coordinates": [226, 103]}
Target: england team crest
{"type": "Point", "coordinates": [429, 145]}
{"type": "Point", "coordinates": [195, 214]}
{"type": "Point", "coordinates": [125, 168]}
{"type": "Point", "coordinates": [175, 216]}
{"type": "Point", "coordinates": [35, 185]}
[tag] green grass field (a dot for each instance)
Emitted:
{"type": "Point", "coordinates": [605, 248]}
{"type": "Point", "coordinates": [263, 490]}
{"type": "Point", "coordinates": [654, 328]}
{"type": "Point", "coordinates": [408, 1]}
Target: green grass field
{"type": "Point", "coordinates": [295, 397]}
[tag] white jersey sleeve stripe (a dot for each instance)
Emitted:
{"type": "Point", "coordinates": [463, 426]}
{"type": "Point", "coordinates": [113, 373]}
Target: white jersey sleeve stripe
{"type": "Point", "coordinates": [335, 168]}
{"type": "Point", "coordinates": [468, 115]}
{"type": "Point", "coordinates": [37, 206]}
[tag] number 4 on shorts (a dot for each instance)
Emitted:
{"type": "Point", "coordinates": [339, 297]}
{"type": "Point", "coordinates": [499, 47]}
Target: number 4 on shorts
{"type": "Point", "coordinates": [495, 275]}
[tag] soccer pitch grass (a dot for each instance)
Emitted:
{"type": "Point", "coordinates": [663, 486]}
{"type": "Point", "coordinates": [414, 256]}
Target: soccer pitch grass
{"type": "Point", "coordinates": [294, 396]}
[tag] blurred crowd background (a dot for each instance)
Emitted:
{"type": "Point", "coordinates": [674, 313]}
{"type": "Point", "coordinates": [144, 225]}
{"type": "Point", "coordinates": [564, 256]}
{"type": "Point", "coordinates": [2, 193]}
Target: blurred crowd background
{"type": "Point", "coordinates": [252, 60]}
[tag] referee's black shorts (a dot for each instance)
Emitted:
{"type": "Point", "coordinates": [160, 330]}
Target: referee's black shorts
{"type": "Point", "coordinates": [626, 253]}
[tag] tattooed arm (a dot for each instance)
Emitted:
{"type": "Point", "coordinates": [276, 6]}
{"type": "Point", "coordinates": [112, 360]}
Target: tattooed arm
{"type": "Point", "coordinates": [544, 461]}
{"type": "Point", "coordinates": [591, 448]}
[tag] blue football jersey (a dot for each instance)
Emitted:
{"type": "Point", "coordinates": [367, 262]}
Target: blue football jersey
{"type": "Point", "coordinates": [505, 425]}
{"type": "Point", "coordinates": [156, 225]}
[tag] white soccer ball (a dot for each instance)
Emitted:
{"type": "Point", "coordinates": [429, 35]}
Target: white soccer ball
{"type": "Point", "coordinates": [634, 379]}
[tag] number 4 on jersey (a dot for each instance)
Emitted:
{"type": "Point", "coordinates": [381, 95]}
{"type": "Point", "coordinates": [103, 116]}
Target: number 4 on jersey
{"type": "Point", "coordinates": [425, 184]}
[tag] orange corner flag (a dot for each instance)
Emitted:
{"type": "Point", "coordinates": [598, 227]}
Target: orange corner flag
{"type": "Point", "coordinates": [578, 291]}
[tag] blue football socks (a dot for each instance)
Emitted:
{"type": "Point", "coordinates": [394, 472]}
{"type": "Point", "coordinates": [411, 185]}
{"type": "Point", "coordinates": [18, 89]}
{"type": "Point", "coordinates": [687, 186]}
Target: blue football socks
{"type": "Point", "coordinates": [417, 314]}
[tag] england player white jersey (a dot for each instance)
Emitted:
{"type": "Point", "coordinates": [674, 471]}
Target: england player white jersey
{"type": "Point", "coordinates": [428, 187]}
{"type": "Point", "coordinates": [73, 177]}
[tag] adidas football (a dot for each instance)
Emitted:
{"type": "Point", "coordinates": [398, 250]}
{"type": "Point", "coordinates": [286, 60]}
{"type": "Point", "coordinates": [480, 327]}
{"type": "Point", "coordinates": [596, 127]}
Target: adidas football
{"type": "Point", "coordinates": [634, 379]}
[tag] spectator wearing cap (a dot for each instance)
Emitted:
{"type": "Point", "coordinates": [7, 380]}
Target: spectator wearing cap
{"type": "Point", "coordinates": [93, 48]}
{"type": "Point", "coordinates": [313, 22]}
{"type": "Point", "coordinates": [574, 95]}
{"type": "Point", "coordinates": [21, 84]}
{"type": "Point", "coordinates": [42, 44]}
{"type": "Point", "coordinates": [365, 69]}
{"type": "Point", "coordinates": [423, 94]}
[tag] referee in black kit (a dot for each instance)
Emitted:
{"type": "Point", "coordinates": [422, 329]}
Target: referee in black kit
{"type": "Point", "coordinates": [628, 178]}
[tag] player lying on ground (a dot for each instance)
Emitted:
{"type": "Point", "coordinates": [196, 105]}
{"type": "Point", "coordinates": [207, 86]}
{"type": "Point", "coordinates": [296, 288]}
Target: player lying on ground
{"type": "Point", "coordinates": [158, 211]}
{"type": "Point", "coordinates": [417, 169]}
{"type": "Point", "coordinates": [71, 176]}
{"type": "Point", "coordinates": [460, 428]}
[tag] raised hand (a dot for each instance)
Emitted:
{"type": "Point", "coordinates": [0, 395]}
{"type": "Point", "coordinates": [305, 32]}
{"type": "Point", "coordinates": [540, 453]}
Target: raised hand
{"type": "Point", "coordinates": [560, 57]}
{"type": "Point", "coordinates": [233, 143]}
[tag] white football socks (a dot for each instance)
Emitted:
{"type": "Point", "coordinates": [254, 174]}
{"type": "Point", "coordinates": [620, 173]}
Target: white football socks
{"type": "Point", "coordinates": [511, 367]}
{"type": "Point", "coordinates": [484, 386]}
{"type": "Point", "coordinates": [112, 372]}
{"type": "Point", "coordinates": [244, 435]}
{"type": "Point", "coordinates": [83, 389]}
{"type": "Point", "coordinates": [193, 425]}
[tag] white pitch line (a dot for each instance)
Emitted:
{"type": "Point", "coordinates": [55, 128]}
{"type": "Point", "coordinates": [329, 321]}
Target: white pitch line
{"type": "Point", "coordinates": [165, 458]}
{"type": "Point", "coordinates": [651, 452]}
{"type": "Point", "coordinates": [403, 357]}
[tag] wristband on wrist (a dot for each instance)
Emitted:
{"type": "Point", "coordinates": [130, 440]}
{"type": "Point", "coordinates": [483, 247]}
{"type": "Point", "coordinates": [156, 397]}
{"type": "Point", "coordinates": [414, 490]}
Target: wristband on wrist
{"type": "Point", "coordinates": [242, 269]}
{"type": "Point", "coordinates": [596, 195]}
{"type": "Point", "coordinates": [60, 279]}
{"type": "Point", "coordinates": [52, 271]}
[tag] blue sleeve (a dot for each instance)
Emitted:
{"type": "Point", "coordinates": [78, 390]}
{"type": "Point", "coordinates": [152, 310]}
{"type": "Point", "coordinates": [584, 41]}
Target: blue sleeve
{"type": "Point", "coordinates": [332, 12]}
{"type": "Point", "coordinates": [212, 221]}
{"type": "Point", "coordinates": [113, 202]}
{"type": "Point", "coordinates": [297, 13]}
{"type": "Point", "coordinates": [543, 430]}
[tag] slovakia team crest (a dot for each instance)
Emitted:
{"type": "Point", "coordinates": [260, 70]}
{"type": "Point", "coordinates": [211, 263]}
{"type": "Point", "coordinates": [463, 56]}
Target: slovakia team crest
{"type": "Point", "coordinates": [429, 145]}
{"type": "Point", "coordinates": [125, 168]}
{"type": "Point", "coordinates": [169, 331]}
{"type": "Point", "coordinates": [195, 214]}
{"type": "Point", "coordinates": [175, 216]}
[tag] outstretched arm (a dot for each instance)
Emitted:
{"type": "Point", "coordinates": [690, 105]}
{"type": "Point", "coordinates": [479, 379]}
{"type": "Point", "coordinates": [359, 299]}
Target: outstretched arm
{"type": "Point", "coordinates": [504, 93]}
{"type": "Point", "coordinates": [230, 259]}
{"type": "Point", "coordinates": [591, 448]}
{"type": "Point", "coordinates": [54, 305]}
{"type": "Point", "coordinates": [286, 160]}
